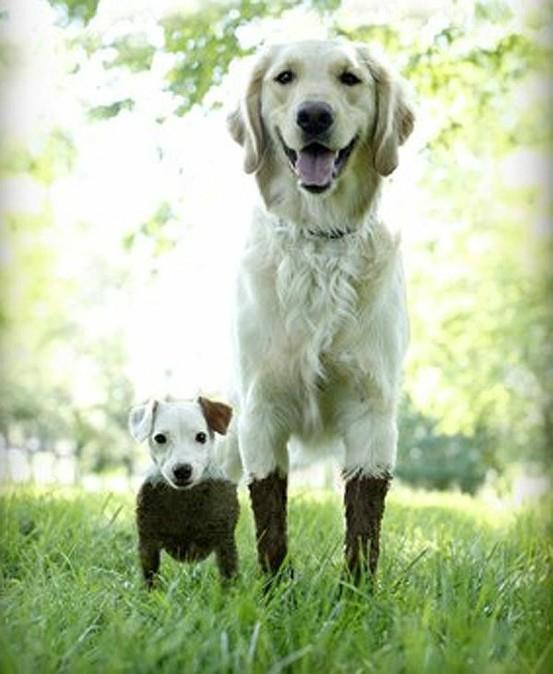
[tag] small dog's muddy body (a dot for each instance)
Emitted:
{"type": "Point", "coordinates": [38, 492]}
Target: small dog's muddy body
{"type": "Point", "coordinates": [189, 524]}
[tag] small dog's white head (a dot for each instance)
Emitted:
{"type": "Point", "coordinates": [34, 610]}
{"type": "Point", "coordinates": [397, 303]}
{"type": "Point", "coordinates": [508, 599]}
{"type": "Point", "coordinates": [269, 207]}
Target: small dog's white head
{"type": "Point", "coordinates": [181, 436]}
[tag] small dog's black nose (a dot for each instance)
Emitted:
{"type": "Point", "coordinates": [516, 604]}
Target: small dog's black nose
{"type": "Point", "coordinates": [182, 472]}
{"type": "Point", "coordinates": [314, 117]}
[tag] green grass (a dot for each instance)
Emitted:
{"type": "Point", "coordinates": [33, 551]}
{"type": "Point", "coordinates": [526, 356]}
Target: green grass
{"type": "Point", "coordinates": [460, 589]}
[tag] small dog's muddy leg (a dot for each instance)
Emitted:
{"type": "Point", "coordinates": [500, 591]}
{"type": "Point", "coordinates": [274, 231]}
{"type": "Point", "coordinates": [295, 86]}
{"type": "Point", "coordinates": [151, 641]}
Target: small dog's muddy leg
{"type": "Point", "coordinates": [227, 559]}
{"type": "Point", "coordinates": [149, 560]}
{"type": "Point", "coordinates": [268, 497]}
{"type": "Point", "coordinates": [364, 499]}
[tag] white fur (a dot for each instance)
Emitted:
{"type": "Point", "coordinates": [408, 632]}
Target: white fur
{"type": "Point", "coordinates": [321, 324]}
{"type": "Point", "coordinates": [180, 423]}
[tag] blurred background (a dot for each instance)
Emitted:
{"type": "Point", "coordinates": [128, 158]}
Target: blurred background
{"type": "Point", "coordinates": [123, 208]}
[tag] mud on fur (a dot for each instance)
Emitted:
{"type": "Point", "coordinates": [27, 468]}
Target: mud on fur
{"type": "Point", "coordinates": [185, 506]}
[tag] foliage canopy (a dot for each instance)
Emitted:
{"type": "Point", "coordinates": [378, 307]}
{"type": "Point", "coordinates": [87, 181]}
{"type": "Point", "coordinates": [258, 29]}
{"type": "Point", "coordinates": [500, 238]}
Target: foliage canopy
{"type": "Point", "coordinates": [479, 380]}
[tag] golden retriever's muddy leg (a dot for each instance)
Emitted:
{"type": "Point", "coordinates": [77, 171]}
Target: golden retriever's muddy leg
{"type": "Point", "coordinates": [227, 559]}
{"type": "Point", "coordinates": [364, 503]}
{"type": "Point", "coordinates": [149, 561]}
{"type": "Point", "coordinates": [268, 497]}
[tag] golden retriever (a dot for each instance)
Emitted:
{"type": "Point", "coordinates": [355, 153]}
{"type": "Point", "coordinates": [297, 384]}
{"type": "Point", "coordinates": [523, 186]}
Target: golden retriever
{"type": "Point", "coordinates": [321, 323]}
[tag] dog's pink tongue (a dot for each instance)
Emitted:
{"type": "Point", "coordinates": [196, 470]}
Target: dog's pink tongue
{"type": "Point", "coordinates": [315, 168]}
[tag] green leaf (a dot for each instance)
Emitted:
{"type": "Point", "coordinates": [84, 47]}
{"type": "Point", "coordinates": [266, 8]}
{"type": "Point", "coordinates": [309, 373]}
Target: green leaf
{"type": "Point", "coordinates": [107, 111]}
{"type": "Point", "coordinates": [77, 10]}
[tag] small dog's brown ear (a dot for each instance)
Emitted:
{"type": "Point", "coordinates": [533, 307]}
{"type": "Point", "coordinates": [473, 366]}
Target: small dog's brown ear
{"type": "Point", "coordinates": [217, 415]}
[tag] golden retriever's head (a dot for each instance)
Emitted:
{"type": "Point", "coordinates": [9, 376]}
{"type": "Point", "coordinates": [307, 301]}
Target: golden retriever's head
{"type": "Point", "coordinates": [318, 107]}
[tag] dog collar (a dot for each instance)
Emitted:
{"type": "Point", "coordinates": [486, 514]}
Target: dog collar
{"type": "Point", "coordinates": [332, 235]}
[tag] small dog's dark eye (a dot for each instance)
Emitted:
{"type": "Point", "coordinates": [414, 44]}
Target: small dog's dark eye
{"type": "Point", "coordinates": [285, 77]}
{"type": "Point", "coordinates": [349, 79]}
{"type": "Point", "coordinates": [201, 437]}
{"type": "Point", "coordinates": [160, 438]}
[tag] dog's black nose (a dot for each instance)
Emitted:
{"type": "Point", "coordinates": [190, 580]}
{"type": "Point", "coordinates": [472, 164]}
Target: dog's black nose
{"type": "Point", "coordinates": [182, 472]}
{"type": "Point", "coordinates": [314, 117]}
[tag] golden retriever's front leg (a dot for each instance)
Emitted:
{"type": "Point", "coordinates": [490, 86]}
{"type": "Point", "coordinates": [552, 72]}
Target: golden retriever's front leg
{"type": "Point", "coordinates": [364, 499]}
{"type": "Point", "coordinates": [268, 497]}
{"type": "Point", "coordinates": [263, 449]}
{"type": "Point", "coordinates": [370, 438]}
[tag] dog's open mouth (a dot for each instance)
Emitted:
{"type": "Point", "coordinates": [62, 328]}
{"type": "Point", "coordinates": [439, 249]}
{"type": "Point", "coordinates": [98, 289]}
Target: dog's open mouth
{"type": "Point", "coordinates": [316, 166]}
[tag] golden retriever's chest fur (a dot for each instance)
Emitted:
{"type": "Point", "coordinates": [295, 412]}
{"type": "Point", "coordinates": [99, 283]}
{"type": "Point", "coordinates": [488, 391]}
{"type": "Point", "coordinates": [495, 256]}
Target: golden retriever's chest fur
{"type": "Point", "coordinates": [319, 295]}
{"type": "Point", "coordinates": [317, 300]}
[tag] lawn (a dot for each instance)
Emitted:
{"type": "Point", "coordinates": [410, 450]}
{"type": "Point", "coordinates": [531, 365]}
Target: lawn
{"type": "Point", "coordinates": [461, 588]}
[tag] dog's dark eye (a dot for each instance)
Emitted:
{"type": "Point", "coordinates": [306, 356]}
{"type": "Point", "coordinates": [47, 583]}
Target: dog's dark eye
{"type": "Point", "coordinates": [201, 438]}
{"type": "Point", "coordinates": [160, 438]}
{"type": "Point", "coordinates": [349, 79]}
{"type": "Point", "coordinates": [285, 77]}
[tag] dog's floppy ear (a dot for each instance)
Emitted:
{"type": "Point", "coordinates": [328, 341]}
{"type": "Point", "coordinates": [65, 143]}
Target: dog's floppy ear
{"type": "Point", "coordinates": [394, 115]}
{"type": "Point", "coordinates": [217, 415]}
{"type": "Point", "coordinates": [141, 420]}
{"type": "Point", "coordinates": [245, 123]}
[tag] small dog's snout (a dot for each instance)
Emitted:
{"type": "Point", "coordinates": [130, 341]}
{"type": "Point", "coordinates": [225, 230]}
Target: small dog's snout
{"type": "Point", "coordinates": [182, 472]}
{"type": "Point", "coordinates": [315, 117]}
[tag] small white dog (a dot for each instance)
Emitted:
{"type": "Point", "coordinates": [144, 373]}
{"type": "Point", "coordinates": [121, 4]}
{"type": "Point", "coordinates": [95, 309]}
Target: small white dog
{"type": "Point", "coordinates": [321, 323]}
{"type": "Point", "coordinates": [185, 506]}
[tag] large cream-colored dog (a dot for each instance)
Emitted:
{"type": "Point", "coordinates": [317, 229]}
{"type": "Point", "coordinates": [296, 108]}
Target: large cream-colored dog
{"type": "Point", "coordinates": [321, 324]}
